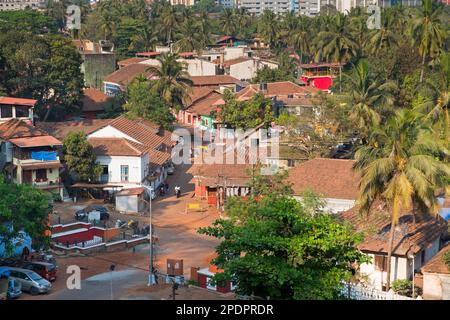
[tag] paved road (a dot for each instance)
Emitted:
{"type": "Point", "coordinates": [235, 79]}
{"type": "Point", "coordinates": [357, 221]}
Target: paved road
{"type": "Point", "coordinates": [98, 287]}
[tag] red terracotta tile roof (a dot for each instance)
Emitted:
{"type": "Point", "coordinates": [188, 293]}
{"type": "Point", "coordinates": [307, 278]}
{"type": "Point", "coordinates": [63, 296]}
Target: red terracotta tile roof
{"type": "Point", "coordinates": [213, 175]}
{"type": "Point", "coordinates": [144, 131]}
{"type": "Point", "coordinates": [18, 101]}
{"type": "Point", "coordinates": [437, 264]}
{"type": "Point", "coordinates": [235, 61]}
{"type": "Point", "coordinates": [214, 80]}
{"type": "Point", "coordinates": [408, 237]}
{"type": "Point", "coordinates": [39, 141]}
{"type": "Point", "coordinates": [60, 130]}
{"type": "Point", "coordinates": [205, 105]}
{"type": "Point", "coordinates": [332, 178]}
{"type": "Point", "coordinates": [114, 147]}
{"type": "Point", "coordinates": [276, 89]}
{"type": "Point", "coordinates": [198, 93]}
{"type": "Point", "coordinates": [16, 128]}
{"type": "Point", "coordinates": [127, 62]}
{"type": "Point", "coordinates": [126, 75]}
{"type": "Point", "coordinates": [94, 100]}
{"type": "Point", "coordinates": [148, 54]}
{"type": "Point", "coordinates": [131, 192]}
{"type": "Point", "coordinates": [158, 158]}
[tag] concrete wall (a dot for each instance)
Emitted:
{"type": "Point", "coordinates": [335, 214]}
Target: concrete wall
{"type": "Point", "coordinates": [231, 53]}
{"type": "Point", "coordinates": [243, 71]}
{"type": "Point", "coordinates": [96, 67]}
{"type": "Point", "coordinates": [110, 132]}
{"type": "Point", "coordinates": [436, 286]}
{"type": "Point", "coordinates": [198, 67]}
{"type": "Point", "coordinates": [136, 168]}
{"type": "Point", "coordinates": [335, 205]}
{"type": "Point", "coordinates": [129, 203]}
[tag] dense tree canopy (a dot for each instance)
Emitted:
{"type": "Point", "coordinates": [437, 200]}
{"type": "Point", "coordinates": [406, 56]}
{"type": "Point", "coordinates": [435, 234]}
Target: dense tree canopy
{"type": "Point", "coordinates": [144, 101]}
{"type": "Point", "coordinates": [80, 158]}
{"type": "Point", "coordinates": [276, 247]}
{"type": "Point", "coordinates": [22, 207]}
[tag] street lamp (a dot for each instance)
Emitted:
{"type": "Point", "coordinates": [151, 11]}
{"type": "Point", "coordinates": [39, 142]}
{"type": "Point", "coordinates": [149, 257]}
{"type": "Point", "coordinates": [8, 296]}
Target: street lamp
{"type": "Point", "coordinates": [151, 276]}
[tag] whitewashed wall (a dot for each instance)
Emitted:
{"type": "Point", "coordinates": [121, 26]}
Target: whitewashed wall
{"type": "Point", "coordinates": [136, 167]}
{"type": "Point", "coordinates": [110, 132]}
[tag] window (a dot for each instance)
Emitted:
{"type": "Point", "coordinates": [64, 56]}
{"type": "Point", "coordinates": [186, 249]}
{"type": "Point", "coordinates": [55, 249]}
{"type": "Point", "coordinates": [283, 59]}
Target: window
{"type": "Point", "coordinates": [291, 163]}
{"type": "Point", "coordinates": [380, 263]}
{"type": "Point", "coordinates": [6, 111]}
{"type": "Point", "coordinates": [22, 112]}
{"type": "Point", "coordinates": [124, 170]}
{"type": "Point", "coordinates": [41, 175]}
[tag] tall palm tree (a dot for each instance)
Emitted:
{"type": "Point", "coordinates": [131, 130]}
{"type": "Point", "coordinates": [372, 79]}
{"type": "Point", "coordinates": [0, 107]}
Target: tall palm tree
{"type": "Point", "coordinates": [173, 83]}
{"type": "Point", "coordinates": [242, 19]}
{"type": "Point", "coordinates": [385, 37]}
{"type": "Point", "coordinates": [399, 167]}
{"type": "Point", "coordinates": [188, 36]}
{"type": "Point", "coordinates": [359, 30]}
{"type": "Point", "coordinates": [427, 33]}
{"type": "Point", "coordinates": [437, 106]}
{"type": "Point", "coordinates": [300, 39]}
{"type": "Point", "coordinates": [368, 97]}
{"type": "Point", "coordinates": [168, 23]}
{"type": "Point", "coordinates": [268, 27]}
{"type": "Point", "coordinates": [204, 27]}
{"type": "Point", "coordinates": [228, 22]}
{"type": "Point", "coordinates": [337, 44]}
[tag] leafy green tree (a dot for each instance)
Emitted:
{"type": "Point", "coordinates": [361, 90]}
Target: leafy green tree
{"type": "Point", "coordinates": [245, 114]}
{"type": "Point", "coordinates": [80, 158]}
{"type": "Point", "coordinates": [23, 207]}
{"type": "Point", "coordinates": [143, 101]}
{"type": "Point", "coordinates": [46, 68]}
{"type": "Point", "coordinates": [274, 248]}
{"type": "Point", "coordinates": [123, 38]}
{"type": "Point", "coordinates": [27, 20]}
{"type": "Point", "coordinates": [401, 165]}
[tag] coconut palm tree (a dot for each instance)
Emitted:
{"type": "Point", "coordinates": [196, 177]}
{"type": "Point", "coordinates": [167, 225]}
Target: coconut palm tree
{"type": "Point", "coordinates": [385, 37]}
{"type": "Point", "coordinates": [188, 36]}
{"type": "Point", "coordinates": [336, 45]}
{"type": "Point", "coordinates": [228, 22]}
{"type": "Point", "coordinates": [168, 23]}
{"type": "Point", "coordinates": [300, 38]}
{"type": "Point", "coordinates": [427, 33]}
{"type": "Point", "coordinates": [369, 97]}
{"type": "Point", "coordinates": [268, 27]}
{"type": "Point", "coordinates": [242, 19]}
{"type": "Point", "coordinates": [204, 27]}
{"type": "Point", "coordinates": [173, 83]}
{"type": "Point", "coordinates": [437, 106]}
{"type": "Point", "coordinates": [399, 167]}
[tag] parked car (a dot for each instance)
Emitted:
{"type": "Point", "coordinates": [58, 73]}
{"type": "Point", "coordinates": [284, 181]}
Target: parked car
{"type": "Point", "coordinates": [171, 169]}
{"type": "Point", "coordinates": [14, 289]}
{"type": "Point", "coordinates": [44, 269]}
{"type": "Point", "coordinates": [30, 281]}
{"type": "Point", "coordinates": [83, 214]}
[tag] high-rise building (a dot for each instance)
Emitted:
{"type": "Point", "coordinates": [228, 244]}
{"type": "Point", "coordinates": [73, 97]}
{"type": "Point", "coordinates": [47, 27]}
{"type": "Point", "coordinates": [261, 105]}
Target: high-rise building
{"type": "Point", "coordinates": [226, 3]}
{"type": "Point", "coordinates": [257, 7]}
{"type": "Point", "coordinates": [6, 5]}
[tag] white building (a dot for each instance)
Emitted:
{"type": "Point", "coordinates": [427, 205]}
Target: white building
{"type": "Point", "coordinates": [245, 69]}
{"type": "Point", "coordinates": [132, 152]}
{"type": "Point", "coordinates": [6, 5]}
{"type": "Point", "coordinates": [414, 243]}
{"type": "Point", "coordinates": [436, 277]}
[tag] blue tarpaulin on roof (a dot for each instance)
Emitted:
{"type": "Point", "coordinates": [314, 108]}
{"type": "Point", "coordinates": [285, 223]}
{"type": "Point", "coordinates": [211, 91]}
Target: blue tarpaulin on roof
{"type": "Point", "coordinates": [43, 155]}
{"type": "Point", "coordinates": [445, 213]}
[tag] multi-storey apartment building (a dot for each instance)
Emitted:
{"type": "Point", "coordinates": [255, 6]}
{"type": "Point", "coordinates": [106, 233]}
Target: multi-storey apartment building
{"type": "Point", "coordinates": [22, 4]}
{"type": "Point", "coordinates": [256, 7]}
